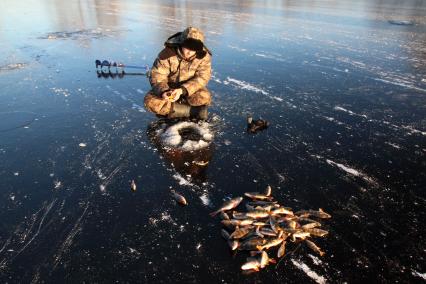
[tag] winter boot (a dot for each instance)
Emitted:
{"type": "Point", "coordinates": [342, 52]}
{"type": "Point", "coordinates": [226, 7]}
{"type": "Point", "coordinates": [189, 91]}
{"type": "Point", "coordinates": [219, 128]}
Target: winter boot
{"type": "Point", "coordinates": [184, 110]}
{"type": "Point", "coordinates": [199, 112]}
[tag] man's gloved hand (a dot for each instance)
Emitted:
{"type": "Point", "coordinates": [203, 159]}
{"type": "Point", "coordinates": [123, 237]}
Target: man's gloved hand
{"type": "Point", "coordinates": [173, 95]}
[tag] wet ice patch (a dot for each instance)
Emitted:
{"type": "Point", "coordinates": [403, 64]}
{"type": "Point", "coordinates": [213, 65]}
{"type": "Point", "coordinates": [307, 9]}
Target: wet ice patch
{"type": "Point", "coordinates": [172, 137]}
{"type": "Point", "coordinates": [309, 272]}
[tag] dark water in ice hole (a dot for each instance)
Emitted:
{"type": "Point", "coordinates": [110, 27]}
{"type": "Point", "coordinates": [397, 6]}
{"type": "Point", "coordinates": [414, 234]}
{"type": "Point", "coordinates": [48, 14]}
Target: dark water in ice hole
{"type": "Point", "coordinates": [344, 91]}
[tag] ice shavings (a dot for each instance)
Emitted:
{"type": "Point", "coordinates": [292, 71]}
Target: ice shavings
{"type": "Point", "coordinates": [312, 274]}
{"type": "Point", "coordinates": [172, 138]}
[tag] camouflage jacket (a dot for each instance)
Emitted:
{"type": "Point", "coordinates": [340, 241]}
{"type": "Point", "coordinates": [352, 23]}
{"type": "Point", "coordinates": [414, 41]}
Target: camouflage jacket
{"type": "Point", "coordinates": [170, 70]}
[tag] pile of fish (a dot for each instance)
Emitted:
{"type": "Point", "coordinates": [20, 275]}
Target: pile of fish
{"type": "Point", "coordinates": [266, 225]}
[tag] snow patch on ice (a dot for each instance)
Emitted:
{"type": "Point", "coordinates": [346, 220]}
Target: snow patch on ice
{"type": "Point", "coordinates": [393, 145]}
{"type": "Point", "coordinates": [315, 259]}
{"type": "Point", "coordinates": [418, 274]}
{"type": "Point", "coordinates": [205, 199]}
{"type": "Point", "coordinates": [246, 86]}
{"type": "Point", "coordinates": [237, 48]}
{"type": "Point", "coordinates": [181, 180]}
{"type": "Point", "coordinates": [351, 171]}
{"type": "Point", "coordinates": [312, 274]}
{"type": "Point", "coordinates": [339, 108]}
{"type": "Point", "coordinates": [401, 84]}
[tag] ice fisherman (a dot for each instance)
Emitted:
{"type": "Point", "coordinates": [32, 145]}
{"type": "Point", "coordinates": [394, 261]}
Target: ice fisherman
{"type": "Point", "coordinates": [179, 77]}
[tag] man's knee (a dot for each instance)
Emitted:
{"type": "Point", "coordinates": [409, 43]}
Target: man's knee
{"type": "Point", "coordinates": [156, 105]}
{"type": "Point", "coordinates": [200, 98]}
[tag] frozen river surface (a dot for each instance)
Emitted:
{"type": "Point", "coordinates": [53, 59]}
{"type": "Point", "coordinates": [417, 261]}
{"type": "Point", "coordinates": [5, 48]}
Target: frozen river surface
{"type": "Point", "coordinates": [343, 84]}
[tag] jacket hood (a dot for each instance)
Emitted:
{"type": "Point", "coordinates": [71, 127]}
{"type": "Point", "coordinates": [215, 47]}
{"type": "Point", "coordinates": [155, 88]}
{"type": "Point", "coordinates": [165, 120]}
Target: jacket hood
{"type": "Point", "coordinates": [189, 33]}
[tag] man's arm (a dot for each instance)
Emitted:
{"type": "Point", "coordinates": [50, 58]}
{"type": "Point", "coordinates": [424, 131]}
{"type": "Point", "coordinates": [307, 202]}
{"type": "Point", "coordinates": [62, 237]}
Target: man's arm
{"type": "Point", "coordinates": [201, 77]}
{"type": "Point", "coordinates": [160, 72]}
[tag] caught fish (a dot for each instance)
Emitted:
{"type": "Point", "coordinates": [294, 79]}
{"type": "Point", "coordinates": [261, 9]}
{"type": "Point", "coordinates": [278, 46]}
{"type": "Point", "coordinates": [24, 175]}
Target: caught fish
{"type": "Point", "coordinates": [251, 244]}
{"type": "Point", "coordinates": [233, 244]}
{"type": "Point", "coordinates": [311, 225]}
{"type": "Point", "coordinates": [268, 190]}
{"type": "Point", "coordinates": [240, 232]}
{"type": "Point", "coordinates": [179, 198]}
{"type": "Point", "coordinates": [268, 232]}
{"type": "Point", "coordinates": [263, 203]}
{"type": "Point", "coordinates": [236, 222]}
{"type": "Point", "coordinates": [317, 232]}
{"type": "Point", "coordinates": [299, 235]}
{"type": "Point", "coordinates": [314, 247]}
{"type": "Point", "coordinates": [133, 185]}
{"type": "Point", "coordinates": [281, 250]}
{"type": "Point", "coordinates": [271, 243]}
{"type": "Point", "coordinates": [257, 214]}
{"type": "Point", "coordinates": [224, 216]}
{"type": "Point", "coordinates": [228, 205]}
{"type": "Point", "coordinates": [257, 195]}
{"type": "Point", "coordinates": [239, 215]}
{"type": "Point", "coordinates": [265, 260]}
{"type": "Point", "coordinates": [318, 214]}
{"type": "Point", "coordinates": [281, 210]}
{"type": "Point", "coordinates": [292, 224]}
{"type": "Point", "coordinates": [251, 264]}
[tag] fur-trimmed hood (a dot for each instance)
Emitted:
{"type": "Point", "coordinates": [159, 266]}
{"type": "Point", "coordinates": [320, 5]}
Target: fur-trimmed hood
{"type": "Point", "coordinates": [177, 40]}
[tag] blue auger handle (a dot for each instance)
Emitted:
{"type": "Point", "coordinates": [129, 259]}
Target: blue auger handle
{"type": "Point", "coordinates": [109, 64]}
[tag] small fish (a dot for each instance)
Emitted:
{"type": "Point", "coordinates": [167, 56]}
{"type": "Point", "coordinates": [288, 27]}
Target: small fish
{"type": "Point", "coordinates": [299, 235]}
{"type": "Point", "coordinates": [317, 232]}
{"type": "Point", "coordinates": [240, 232]}
{"type": "Point", "coordinates": [292, 224]}
{"type": "Point", "coordinates": [271, 243]}
{"type": "Point", "coordinates": [233, 244]}
{"type": "Point", "coordinates": [257, 195]}
{"type": "Point", "coordinates": [251, 264]}
{"type": "Point", "coordinates": [265, 260]}
{"type": "Point", "coordinates": [236, 222]}
{"type": "Point", "coordinates": [311, 225]}
{"type": "Point", "coordinates": [133, 185]}
{"type": "Point", "coordinates": [281, 250]}
{"type": "Point", "coordinates": [251, 244]}
{"type": "Point", "coordinates": [179, 198]}
{"type": "Point", "coordinates": [228, 205]}
{"type": "Point", "coordinates": [268, 232]}
{"type": "Point", "coordinates": [228, 224]}
{"type": "Point", "coordinates": [239, 215]}
{"type": "Point", "coordinates": [281, 210]}
{"type": "Point", "coordinates": [314, 247]}
{"type": "Point", "coordinates": [318, 214]}
{"type": "Point", "coordinates": [268, 190]}
{"type": "Point", "coordinates": [257, 214]}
